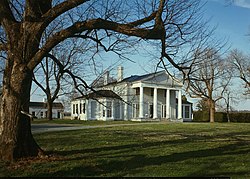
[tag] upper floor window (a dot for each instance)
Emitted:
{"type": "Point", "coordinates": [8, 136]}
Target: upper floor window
{"type": "Point", "coordinates": [137, 91]}
{"type": "Point", "coordinates": [152, 92]}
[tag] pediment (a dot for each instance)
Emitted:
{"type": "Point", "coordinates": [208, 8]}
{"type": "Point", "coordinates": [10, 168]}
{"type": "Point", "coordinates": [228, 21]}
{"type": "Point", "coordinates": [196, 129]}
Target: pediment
{"type": "Point", "coordinates": [162, 78]}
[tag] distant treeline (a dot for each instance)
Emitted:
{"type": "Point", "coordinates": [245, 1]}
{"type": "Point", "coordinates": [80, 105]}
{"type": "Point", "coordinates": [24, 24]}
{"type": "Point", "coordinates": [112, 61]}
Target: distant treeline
{"type": "Point", "coordinates": [203, 116]}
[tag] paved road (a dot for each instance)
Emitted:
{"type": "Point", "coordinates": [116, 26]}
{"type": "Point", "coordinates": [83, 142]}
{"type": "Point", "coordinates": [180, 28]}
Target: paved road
{"type": "Point", "coordinates": [41, 128]}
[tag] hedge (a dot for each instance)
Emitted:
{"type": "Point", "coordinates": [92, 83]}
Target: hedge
{"type": "Point", "coordinates": [203, 116]}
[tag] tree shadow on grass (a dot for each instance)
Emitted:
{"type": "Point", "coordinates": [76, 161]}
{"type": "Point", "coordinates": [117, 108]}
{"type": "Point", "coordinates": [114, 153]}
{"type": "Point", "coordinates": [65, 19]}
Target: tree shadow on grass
{"type": "Point", "coordinates": [142, 144]}
{"type": "Point", "coordinates": [134, 163]}
{"type": "Point", "coordinates": [126, 162]}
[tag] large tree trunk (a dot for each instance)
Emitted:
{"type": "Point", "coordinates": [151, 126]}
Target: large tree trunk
{"type": "Point", "coordinates": [16, 140]}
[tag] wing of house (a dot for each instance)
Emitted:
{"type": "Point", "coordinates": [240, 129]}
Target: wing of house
{"type": "Point", "coordinates": [154, 96]}
{"type": "Point", "coordinates": [39, 109]}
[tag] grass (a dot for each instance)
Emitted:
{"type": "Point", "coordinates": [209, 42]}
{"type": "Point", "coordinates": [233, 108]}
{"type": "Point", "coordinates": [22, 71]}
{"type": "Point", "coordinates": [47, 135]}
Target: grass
{"type": "Point", "coordinates": [164, 149]}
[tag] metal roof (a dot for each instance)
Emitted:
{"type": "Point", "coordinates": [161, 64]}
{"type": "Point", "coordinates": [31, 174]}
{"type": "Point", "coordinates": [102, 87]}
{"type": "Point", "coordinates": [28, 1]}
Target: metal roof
{"type": "Point", "coordinates": [100, 94]}
{"type": "Point", "coordinates": [44, 105]}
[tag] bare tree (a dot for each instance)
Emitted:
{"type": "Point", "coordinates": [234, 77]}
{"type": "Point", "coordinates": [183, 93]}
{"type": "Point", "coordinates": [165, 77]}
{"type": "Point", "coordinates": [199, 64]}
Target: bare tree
{"type": "Point", "coordinates": [51, 80]}
{"type": "Point", "coordinates": [202, 105]}
{"type": "Point", "coordinates": [209, 79]}
{"type": "Point", "coordinates": [229, 99]}
{"type": "Point", "coordinates": [241, 67]}
{"type": "Point", "coordinates": [173, 24]}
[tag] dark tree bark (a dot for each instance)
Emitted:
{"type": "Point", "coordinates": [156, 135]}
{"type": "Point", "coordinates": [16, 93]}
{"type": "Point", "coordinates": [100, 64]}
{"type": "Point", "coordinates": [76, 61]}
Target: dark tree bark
{"type": "Point", "coordinates": [16, 139]}
{"type": "Point", "coordinates": [49, 108]}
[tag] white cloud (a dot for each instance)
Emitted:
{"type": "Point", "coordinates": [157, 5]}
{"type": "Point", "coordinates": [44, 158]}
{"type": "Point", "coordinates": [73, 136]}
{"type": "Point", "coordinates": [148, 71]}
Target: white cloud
{"type": "Point", "coordinates": [242, 3]}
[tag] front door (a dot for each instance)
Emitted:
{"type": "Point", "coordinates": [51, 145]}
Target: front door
{"type": "Point", "coordinates": [151, 110]}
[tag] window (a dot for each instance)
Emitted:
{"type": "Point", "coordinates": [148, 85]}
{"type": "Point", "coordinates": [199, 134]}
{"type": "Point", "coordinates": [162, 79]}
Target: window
{"type": "Point", "coordinates": [187, 111]}
{"type": "Point", "coordinates": [41, 114]}
{"type": "Point", "coordinates": [137, 91]}
{"type": "Point", "coordinates": [74, 109]}
{"type": "Point", "coordinates": [83, 108]}
{"type": "Point", "coordinates": [152, 92]}
{"type": "Point", "coordinates": [103, 112]}
{"type": "Point", "coordinates": [80, 108]}
{"type": "Point", "coordinates": [109, 109]}
{"type": "Point", "coordinates": [135, 110]}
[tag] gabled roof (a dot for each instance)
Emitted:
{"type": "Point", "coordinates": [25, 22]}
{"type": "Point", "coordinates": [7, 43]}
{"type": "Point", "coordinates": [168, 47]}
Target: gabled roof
{"type": "Point", "coordinates": [100, 94]}
{"type": "Point", "coordinates": [57, 105]}
{"type": "Point", "coordinates": [159, 77]}
{"type": "Point", "coordinates": [134, 78]}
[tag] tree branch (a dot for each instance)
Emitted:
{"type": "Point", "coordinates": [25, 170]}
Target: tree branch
{"type": "Point", "coordinates": [74, 77]}
{"type": "Point", "coordinates": [35, 9]}
{"type": "Point", "coordinates": [59, 9]}
{"type": "Point", "coordinates": [38, 83]}
{"type": "Point", "coordinates": [89, 25]}
{"type": "Point", "coordinates": [6, 16]}
{"type": "Point", "coordinates": [3, 47]}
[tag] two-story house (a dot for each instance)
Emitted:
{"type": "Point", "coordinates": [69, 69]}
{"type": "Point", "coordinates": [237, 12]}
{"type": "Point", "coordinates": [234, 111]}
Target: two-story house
{"type": "Point", "coordinates": [154, 96]}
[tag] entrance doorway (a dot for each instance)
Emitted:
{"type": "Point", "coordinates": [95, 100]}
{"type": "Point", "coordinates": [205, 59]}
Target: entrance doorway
{"type": "Point", "coordinates": [151, 111]}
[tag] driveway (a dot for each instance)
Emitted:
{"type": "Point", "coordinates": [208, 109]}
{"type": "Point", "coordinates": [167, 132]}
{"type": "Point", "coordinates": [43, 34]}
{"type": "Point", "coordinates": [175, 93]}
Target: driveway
{"type": "Point", "coordinates": [41, 128]}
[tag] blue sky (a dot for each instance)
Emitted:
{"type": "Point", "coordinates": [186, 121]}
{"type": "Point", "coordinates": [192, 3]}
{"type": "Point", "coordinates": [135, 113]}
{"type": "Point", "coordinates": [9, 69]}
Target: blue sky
{"type": "Point", "coordinates": [232, 22]}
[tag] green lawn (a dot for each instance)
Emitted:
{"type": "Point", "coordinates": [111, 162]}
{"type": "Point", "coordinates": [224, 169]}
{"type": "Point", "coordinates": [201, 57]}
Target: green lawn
{"type": "Point", "coordinates": [164, 149]}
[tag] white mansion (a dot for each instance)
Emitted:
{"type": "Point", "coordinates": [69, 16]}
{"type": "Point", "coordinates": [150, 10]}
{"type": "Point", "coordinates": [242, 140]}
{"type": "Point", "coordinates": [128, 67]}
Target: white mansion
{"type": "Point", "coordinates": [154, 96]}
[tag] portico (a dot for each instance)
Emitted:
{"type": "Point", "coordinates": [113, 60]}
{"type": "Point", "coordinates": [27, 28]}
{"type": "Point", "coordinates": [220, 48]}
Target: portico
{"type": "Point", "coordinates": [156, 101]}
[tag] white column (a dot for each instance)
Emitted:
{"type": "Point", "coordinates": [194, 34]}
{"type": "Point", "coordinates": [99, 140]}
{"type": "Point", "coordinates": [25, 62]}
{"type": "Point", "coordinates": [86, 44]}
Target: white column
{"type": "Point", "coordinates": [87, 110]}
{"type": "Point", "coordinates": [105, 109]}
{"type": "Point", "coordinates": [167, 103]}
{"type": "Point", "coordinates": [112, 109]}
{"type": "Point", "coordinates": [179, 105]}
{"type": "Point", "coordinates": [155, 104]}
{"type": "Point", "coordinates": [141, 103]}
{"type": "Point", "coordinates": [125, 111]}
{"type": "Point", "coordinates": [120, 103]}
{"type": "Point", "coordinates": [126, 107]}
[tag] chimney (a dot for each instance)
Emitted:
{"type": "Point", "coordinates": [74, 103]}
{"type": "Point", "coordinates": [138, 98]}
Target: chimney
{"type": "Point", "coordinates": [119, 73]}
{"type": "Point", "coordinates": [106, 78]}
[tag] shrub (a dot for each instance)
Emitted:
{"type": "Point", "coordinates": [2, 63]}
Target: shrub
{"type": "Point", "coordinates": [203, 116]}
{"type": "Point", "coordinates": [239, 117]}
